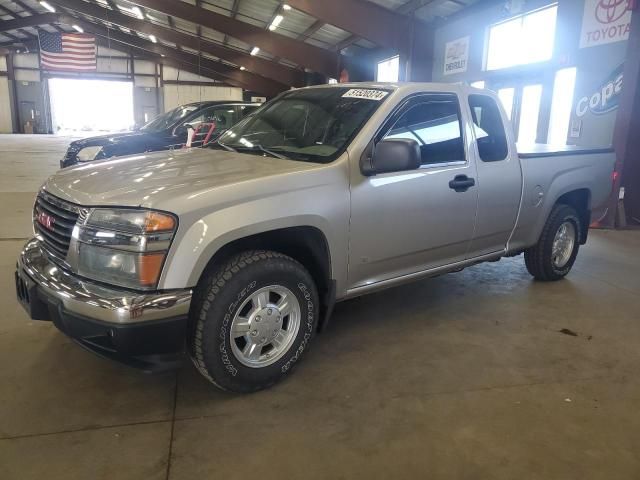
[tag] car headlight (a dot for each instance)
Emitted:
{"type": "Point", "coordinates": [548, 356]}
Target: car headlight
{"type": "Point", "coordinates": [123, 247]}
{"type": "Point", "coordinates": [89, 153]}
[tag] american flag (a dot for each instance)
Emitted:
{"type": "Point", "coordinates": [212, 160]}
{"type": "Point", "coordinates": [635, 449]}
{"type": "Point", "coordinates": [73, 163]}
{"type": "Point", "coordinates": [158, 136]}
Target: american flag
{"type": "Point", "coordinates": [67, 51]}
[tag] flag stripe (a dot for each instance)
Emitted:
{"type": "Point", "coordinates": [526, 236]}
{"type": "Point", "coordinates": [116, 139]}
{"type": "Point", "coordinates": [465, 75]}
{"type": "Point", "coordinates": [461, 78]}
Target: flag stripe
{"type": "Point", "coordinates": [54, 61]}
{"type": "Point", "coordinates": [78, 56]}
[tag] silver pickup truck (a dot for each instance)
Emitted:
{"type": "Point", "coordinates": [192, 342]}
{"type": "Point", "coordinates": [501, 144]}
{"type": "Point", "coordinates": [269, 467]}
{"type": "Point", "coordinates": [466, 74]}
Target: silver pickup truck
{"type": "Point", "coordinates": [238, 253]}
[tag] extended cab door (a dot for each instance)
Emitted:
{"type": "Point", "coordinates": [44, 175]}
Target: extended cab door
{"type": "Point", "coordinates": [409, 221]}
{"type": "Point", "coordinates": [499, 176]}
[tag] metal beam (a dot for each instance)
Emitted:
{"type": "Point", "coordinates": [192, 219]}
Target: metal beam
{"type": "Point", "coordinates": [31, 21]}
{"type": "Point", "coordinates": [286, 76]}
{"type": "Point", "coordinates": [364, 19]}
{"type": "Point", "coordinates": [314, 58]}
{"type": "Point", "coordinates": [228, 74]}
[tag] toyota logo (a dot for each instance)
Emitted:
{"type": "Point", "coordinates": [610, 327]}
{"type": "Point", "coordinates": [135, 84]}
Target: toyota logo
{"type": "Point", "coordinates": [47, 221]}
{"type": "Point", "coordinates": [609, 11]}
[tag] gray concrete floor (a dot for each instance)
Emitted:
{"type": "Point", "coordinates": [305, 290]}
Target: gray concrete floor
{"type": "Point", "coordinates": [462, 376]}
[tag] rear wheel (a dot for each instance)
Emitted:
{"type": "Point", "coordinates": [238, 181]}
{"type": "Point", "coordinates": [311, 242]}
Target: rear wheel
{"type": "Point", "coordinates": [555, 253]}
{"type": "Point", "coordinates": [254, 318]}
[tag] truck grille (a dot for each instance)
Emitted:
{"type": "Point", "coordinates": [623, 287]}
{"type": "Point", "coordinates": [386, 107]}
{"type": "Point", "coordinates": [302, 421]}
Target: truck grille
{"type": "Point", "coordinates": [53, 221]}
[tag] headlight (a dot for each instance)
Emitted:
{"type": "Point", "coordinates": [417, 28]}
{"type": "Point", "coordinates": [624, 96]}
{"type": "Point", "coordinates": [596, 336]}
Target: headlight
{"type": "Point", "coordinates": [89, 153]}
{"type": "Point", "coordinates": [123, 247]}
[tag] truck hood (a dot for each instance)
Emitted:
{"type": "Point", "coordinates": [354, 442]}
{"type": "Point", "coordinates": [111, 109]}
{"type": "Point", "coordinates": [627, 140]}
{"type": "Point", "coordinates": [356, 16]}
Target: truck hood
{"type": "Point", "coordinates": [160, 179]}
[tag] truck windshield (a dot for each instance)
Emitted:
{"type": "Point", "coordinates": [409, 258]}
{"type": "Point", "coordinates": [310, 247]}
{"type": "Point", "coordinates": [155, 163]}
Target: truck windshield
{"type": "Point", "coordinates": [313, 125]}
{"type": "Point", "coordinates": [169, 119]}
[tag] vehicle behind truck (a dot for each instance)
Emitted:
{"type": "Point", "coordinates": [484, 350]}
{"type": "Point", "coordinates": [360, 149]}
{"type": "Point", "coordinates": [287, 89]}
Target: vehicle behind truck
{"type": "Point", "coordinates": [237, 253]}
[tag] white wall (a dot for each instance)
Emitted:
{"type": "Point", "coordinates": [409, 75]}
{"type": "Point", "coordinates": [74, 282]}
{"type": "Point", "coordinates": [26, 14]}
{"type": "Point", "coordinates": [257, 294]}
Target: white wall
{"type": "Point", "coordinates": [175, 95]}
{"type": "Point", "coordinates": [5, 102]}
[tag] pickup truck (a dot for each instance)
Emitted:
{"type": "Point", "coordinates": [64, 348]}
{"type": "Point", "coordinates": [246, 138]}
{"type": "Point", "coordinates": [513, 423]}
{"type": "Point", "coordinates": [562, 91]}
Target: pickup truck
{"type": "Point", "coordinates": [237, 253]}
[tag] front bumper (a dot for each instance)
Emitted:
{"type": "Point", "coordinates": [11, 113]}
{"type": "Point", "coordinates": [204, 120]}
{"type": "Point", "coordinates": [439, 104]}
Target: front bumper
{"type": "Point", "coordinates": [144, 330]}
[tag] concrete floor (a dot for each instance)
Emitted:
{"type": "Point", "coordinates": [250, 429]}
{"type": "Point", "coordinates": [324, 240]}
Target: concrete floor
{"type": "Point", "coordinates": [465, 376]}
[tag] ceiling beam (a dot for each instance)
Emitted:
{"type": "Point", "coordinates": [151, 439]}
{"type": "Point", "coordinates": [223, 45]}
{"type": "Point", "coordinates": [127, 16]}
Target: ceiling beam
{"type": "Point", "coordinates": [285, 76]}
{"type": "Point", "coordinates": [364, 19]}
{"type": "Point", "coordinates": [314, 58]}
{"type": "Point", "coordinates": [226, 73]}
{"type": "Point", "coordinates": [31, 21]}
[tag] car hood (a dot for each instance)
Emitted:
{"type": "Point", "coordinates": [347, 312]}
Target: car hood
{"type": "Point", "coordinates": [164, 179]}
{"type": "Point", "coordinates": [104, 140]}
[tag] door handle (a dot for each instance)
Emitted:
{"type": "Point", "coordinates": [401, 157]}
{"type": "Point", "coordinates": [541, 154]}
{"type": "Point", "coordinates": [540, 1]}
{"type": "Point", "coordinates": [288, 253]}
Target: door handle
{"type": "Point", "coordinates": [461, 183]}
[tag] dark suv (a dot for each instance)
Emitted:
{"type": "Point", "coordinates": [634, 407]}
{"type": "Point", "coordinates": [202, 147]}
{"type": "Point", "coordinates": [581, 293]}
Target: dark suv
{"type": "Point", "coordinates": [169, 130]}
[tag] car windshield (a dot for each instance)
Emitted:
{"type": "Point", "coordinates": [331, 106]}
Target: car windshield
{"type": "Point", "coordinates": [313, 125]}
{"type": "Point", "coordinates": [169, 119]}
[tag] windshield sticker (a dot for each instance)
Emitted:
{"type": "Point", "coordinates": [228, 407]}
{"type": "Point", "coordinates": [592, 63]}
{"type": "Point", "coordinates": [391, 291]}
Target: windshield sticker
{"type": "Point", "coordinates": [366, 93]}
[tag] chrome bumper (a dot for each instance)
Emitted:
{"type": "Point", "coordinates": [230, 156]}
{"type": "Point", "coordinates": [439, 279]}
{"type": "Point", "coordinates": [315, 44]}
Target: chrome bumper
{"type": "Point", "coordinates": [93, 301]}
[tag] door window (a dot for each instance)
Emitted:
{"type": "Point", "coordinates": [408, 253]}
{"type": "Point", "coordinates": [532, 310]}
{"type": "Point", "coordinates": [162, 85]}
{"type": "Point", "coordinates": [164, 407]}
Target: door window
{"type": "Point", "coordinates": [213, 119]}
{"type": "Point", "coordinates": [490, 133]}
{"type": "Point", "coordinates": [436, 126]}
{"type": "Point", "coordinates": [247, 110]}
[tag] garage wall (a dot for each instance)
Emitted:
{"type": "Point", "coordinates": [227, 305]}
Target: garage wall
{"type": "Point", "coordinates": [595, 65]}
{"type": "Point", "coordinates": [5, 99]}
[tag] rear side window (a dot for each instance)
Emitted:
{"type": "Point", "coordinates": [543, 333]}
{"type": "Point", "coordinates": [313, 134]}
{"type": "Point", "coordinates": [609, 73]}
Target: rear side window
{"type": "Point", "coordinates": [435, 125]}
{"type": "Point", "coordinates": [490, 133]}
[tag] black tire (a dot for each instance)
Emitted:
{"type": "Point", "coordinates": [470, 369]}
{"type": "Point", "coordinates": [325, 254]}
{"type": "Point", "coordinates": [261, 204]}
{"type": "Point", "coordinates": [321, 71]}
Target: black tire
{"type": "Point", "coordinates": [538, 258]}
{"type": "Point", "coordinates": [221, 294]}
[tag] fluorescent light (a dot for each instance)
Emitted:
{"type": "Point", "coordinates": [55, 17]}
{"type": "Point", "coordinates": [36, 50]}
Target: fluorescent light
{"type": "Point", "coordinates": [255, 50]}
{"type": "Point", "coordinates": [153, 38]}
{"type": "Point", "coordinates": [242, 68]}
{"type": "Point", "coordinates": [276, 21]}
{"type": "Point", "coordinates": [77, 28]}
{"type": "Point", "coordinates": [48, 6]}
{"type": "Point", "coordinates": [286, 7]}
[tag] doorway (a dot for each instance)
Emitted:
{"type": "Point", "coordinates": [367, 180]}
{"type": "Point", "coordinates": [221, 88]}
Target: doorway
{"type": "Point", "coordinates": [88, 107]}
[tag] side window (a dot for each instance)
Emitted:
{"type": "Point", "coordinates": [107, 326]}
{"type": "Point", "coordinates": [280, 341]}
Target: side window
{"type": "Point", "coordinates": [247, 110]}
{"type": "Point", "coordinates": [222, 117]}
{"type": "Point", "coordinates": [490, 133]}
{"type": "Point", "coordinates": [435, 125]}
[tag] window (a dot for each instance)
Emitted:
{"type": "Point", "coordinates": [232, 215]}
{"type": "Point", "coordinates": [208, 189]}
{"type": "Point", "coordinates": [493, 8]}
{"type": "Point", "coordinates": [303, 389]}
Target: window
{"type": "Point", "coordinates": [561, 105]}
{"type": "Point", "coordinates": [222, 117]}
{"type": "Point", "coordinates": [529, 114]}
{"type": "Point", "coordinates": [435, 125]}
{"type": "Point", "coordinates": [490, 133]}
{"type": "Point", "coordinates": [522, 40]}
{"type": "Point", "coordinates": [479, 84]}
{"type": "Point", "coordinates": [506, 97]}
{"type": "Point", "coordinates": [388, 70]}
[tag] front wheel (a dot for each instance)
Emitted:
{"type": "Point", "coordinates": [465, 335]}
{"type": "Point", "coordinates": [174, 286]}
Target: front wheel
{"type": "Point", "coordinates": [555, 253]}
{"type": "Point", "coordinates": [254, 318]}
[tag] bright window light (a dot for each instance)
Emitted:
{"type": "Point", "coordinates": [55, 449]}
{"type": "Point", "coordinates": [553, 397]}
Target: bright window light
{"type": "Point", "coordinates": [478, 84]}
{"type": "Point", "coordinates": [528, 130]}
{"type": "Point", "coordinates": [522, 40]}
{"type": "Point", "coordinates": [561, 106]}
{"type": "Point", "coordinates": [388, 70]}
{"type": "Point", "coordinates": [48, 6]}
{"type": "Point", "coordinates": [255, 50]}
{"type": "Point", "coordinates": [506, 97]}
{"type": "Point", "coordinates": [77, 28]}
{"type": "Point", "coordinates": [135, 11]}
{"type": "Point", "coordinates": [276, 21]}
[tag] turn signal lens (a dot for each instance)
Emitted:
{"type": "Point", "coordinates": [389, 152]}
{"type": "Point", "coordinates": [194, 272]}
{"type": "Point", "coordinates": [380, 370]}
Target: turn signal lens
{"type": "Point", "coordinates": [158, 222]}
{"type": "Point", "coordinates": [149, 268]}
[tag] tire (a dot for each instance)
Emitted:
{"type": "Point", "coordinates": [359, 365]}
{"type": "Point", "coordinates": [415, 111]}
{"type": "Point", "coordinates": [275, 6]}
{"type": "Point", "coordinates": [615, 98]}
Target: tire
{"type": "Point", "coordinates": [540, 259]}
{"type": "Point", "coordinates": [232, 299]}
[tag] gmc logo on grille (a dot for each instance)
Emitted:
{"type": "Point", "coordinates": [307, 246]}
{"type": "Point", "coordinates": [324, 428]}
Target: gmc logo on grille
{"type": "Point", "coordinates": [47, 221]}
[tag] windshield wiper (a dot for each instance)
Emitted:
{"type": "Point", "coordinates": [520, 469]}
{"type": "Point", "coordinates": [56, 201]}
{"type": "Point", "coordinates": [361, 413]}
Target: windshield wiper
{"type": "Point", "coordinates": [220, 144]}
{"type": "Point", "coordinates": [270, 152]}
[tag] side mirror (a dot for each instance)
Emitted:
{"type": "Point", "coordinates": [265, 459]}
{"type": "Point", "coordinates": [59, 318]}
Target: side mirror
{"type": "Point", "coordinates": [393, 155]}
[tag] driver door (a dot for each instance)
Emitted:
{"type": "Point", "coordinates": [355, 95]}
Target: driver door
{"type": "Point", "coordinates": [410, 221]}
